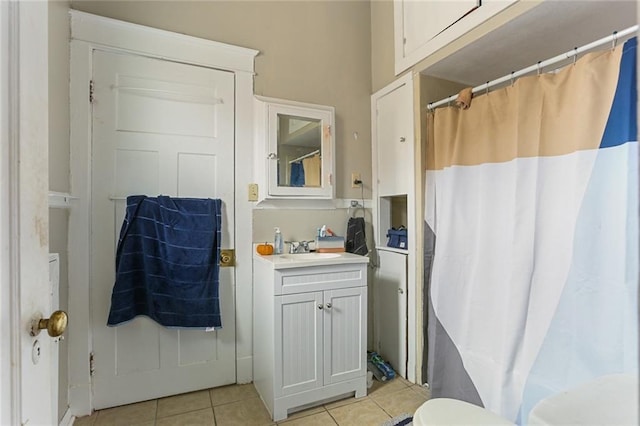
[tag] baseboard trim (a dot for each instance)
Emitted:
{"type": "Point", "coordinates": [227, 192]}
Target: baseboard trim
{"type": "Point", "coordinates": [244, 372]}
{"type": "Point", "coordinates": [67, 419]}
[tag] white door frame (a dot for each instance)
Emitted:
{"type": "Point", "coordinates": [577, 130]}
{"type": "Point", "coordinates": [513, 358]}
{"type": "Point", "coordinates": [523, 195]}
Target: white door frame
{"type": "Point", "coordinates": [89, 32]}
{"type": "Point", "coordinates": [24, 208]}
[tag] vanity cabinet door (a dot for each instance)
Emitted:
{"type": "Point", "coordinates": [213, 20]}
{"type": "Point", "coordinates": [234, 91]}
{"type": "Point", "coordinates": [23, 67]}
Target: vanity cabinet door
{"type": "Point", "coordinates": [298, 342]}
{"type": "Point", "coordinates": [345, 342]}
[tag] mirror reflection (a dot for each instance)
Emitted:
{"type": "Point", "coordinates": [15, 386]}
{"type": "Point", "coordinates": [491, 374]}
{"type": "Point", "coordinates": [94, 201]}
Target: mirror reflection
{"type": "Point", "coordinates": [299, 151]}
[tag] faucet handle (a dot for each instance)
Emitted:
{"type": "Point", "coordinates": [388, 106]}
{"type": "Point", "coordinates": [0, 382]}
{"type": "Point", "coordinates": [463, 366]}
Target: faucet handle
{"type": "Point", "coordinates": [303, 247]}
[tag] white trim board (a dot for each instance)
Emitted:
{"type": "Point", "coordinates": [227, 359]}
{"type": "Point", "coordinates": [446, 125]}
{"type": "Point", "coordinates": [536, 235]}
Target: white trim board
{"type": "Point", "coordinates": [147, 41]}
{"type": "Point", "coordinates": [89, 32]}
{"type": "Point", "coordinates": [10, 389]}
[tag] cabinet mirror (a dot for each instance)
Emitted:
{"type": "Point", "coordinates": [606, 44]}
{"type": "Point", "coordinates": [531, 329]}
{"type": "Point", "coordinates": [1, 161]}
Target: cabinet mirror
{"type": "Point", "coordinates": [299, 151]}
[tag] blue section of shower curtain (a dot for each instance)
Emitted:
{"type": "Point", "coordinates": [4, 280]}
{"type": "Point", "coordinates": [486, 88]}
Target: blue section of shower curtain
{"type": "Point", "coordinates": [297, 174]}
{"type": "Point", "coordinates": [167, 262]}
{"type": "Point", "coordinates": [622, 125]}
{"type": "Point", "coordinates": [594, 330]}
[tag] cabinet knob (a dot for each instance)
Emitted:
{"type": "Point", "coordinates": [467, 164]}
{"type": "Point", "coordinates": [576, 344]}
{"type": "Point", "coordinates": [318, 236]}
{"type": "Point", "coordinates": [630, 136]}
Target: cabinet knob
{"type": "Point", "coordinates": [328, 305]}
{"type": "Point", "coordinates": [400, 291]}
{"type": "Point", "coordinates": [403, 139]}
{"type": "Point", "coordinates": [272, 156]}
{"type": "Point", "coordinates": [320, 306]}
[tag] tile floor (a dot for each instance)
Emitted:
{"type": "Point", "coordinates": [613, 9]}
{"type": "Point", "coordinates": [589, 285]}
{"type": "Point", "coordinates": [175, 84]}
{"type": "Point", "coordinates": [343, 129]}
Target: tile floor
{"type": "Point", "coordinates": [240, 405]}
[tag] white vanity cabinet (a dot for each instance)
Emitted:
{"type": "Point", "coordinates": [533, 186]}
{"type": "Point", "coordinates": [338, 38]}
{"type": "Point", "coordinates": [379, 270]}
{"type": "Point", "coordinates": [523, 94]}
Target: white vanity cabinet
{"type": "Point", "coordinates": [309, 330]}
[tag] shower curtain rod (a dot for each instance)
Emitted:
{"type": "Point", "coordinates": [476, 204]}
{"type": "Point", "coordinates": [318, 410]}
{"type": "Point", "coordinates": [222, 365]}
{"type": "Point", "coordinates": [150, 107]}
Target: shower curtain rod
{"type": "Point", "coordinates": [573, 53]}
{"type": "Point", "coordinates": [311, 154]}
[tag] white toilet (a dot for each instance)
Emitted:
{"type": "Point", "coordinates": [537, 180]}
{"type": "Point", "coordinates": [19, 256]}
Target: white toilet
{"type": "Point", "coordinates": [447, 411]}
{"type": "Point", "coordinates": [611, 399]}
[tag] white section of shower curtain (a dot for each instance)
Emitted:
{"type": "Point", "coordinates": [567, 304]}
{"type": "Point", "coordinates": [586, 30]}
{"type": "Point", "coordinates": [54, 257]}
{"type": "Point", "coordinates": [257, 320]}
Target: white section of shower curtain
{"type": "Point", "coordinates": [594, 331]}
{"type": "Point", "coordinates": [504, 244]}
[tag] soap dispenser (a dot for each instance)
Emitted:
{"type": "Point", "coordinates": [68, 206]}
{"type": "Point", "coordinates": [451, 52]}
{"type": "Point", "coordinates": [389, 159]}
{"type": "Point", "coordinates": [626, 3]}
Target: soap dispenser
{"type": "Point", "coordinates": [278, 245]}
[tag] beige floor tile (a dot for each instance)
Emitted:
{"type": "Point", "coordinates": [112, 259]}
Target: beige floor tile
{"type": "Point", "coordinates": [184, 403]}
{"type": "Point", "coordinates": [232, 393]}
{"type": "Point", "coordinates": [405, 381]}
{"type": "Point", "coordinates": [248, 412]}
{"type": "Point", "coordinates": [127, 414]}
{"type": "Point", "coordinates": [364, 412]}
{"type": "Point", "coordinates": [305, 413]}
{"type": "Point", "coordinates": [425, 392]}
{"type": "Point", "coordinates": [319, 419]}
{"type": "Point", "coordinates": [400, 402]}
{"type": "Point", "coordinates": [192, 418]}
{"type": "Point", "coordinates": [385, 388]}
{"type": "Point", "coordinates": [86, 420]}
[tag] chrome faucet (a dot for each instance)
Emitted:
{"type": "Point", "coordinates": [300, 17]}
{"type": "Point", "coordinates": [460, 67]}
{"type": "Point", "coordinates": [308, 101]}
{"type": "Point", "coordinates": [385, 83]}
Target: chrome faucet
{"type": "Point", "coordinates": [296, 247]}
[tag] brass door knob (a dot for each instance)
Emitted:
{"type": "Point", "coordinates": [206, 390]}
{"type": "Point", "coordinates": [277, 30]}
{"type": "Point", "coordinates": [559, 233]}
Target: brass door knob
{"type": "Point", "coordinates": [55, 325]}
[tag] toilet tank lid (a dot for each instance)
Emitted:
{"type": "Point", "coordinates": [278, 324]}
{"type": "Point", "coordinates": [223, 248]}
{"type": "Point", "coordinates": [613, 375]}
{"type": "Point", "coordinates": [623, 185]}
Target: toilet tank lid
{"type": "Point", "coordinates": [610, 399]}
{"type": "Point", "coordinates": [447, 411]}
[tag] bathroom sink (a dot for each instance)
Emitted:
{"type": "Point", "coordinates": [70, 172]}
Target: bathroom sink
{"type": "Point", "coordinates": [311, 256]}
{"type": "Point", "coordinates": [305, 260]}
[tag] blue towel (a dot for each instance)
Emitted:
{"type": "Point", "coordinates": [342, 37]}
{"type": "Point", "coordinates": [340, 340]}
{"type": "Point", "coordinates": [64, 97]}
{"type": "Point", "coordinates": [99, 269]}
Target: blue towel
{"type": "Point", "coordinates": [167, 262]}
{"type": "Point", "coordinates": [297, 174]}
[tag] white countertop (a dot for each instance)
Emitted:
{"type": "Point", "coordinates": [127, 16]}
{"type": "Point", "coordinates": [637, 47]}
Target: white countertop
{"type": "Point", "coordinates": [304, 260]}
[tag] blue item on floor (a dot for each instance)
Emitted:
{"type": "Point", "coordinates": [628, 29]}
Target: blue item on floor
{"type": "Point", "coordinates": [384, 367]}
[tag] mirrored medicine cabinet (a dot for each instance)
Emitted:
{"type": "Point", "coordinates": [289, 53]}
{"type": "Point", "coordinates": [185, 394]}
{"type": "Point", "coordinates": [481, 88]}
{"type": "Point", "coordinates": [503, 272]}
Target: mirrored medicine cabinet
{"type": "Point", "coordinates": [295, 146]}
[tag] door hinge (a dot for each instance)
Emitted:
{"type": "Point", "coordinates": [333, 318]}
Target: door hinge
{"type": "Point", "coordinates": [90, 91]}
{"type": "Point", "coordinates": [92, 365]}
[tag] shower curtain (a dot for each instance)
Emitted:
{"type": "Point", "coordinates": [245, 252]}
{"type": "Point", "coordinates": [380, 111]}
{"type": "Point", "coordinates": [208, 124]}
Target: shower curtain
{"type": "Point", "coordinates": [531, 259]}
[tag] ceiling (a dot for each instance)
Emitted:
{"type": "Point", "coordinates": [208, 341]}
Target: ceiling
{"type": "Point", "coordinates": [552, 28]}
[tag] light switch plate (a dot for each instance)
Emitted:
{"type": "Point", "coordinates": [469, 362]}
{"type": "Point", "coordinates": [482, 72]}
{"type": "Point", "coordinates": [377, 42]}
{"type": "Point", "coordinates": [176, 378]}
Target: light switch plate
{"type": "Point", "coordinates": [253, 192]}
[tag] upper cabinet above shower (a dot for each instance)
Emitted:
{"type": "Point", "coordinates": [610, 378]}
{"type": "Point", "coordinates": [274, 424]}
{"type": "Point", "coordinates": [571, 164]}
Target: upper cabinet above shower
{"type": "Point", "coordinates": [294, 149]}
{"type": "Point", "coordinates": [421, 27]}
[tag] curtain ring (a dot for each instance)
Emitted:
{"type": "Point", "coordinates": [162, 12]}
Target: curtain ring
{"type": "Point", "coordinates": [538, 65]}
{"type": "Point", "coordinates": [614, 42]}
{"type": "Point", "coordinates": [575, 55]}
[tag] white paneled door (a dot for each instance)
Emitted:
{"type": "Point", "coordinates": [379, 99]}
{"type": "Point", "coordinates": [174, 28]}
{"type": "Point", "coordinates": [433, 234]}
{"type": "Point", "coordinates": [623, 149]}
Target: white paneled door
{"type": "Point", "coordinates": [167, 128]}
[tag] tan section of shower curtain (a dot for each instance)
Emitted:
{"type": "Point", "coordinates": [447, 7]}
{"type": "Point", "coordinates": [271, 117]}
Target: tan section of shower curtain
{"type": "Point", "coordinates": [542, 115]}
{"type": "Point", "coordinates": [312, 170]}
